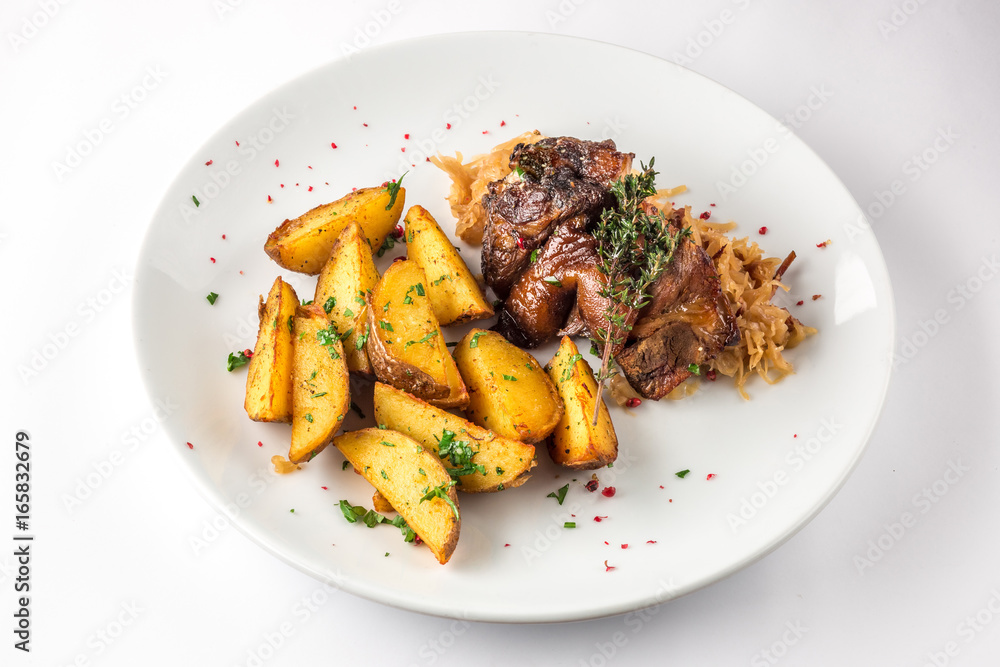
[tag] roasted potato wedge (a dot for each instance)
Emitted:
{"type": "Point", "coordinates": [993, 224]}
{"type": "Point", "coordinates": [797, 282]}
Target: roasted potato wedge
{"type": "Point", "coordinates": [576, 442]}
{"type": "Point", "coordinates": [509, 393]}
{"type": "Point", "coordinates": [454, 293]}
{"type": "Point", "coordinates": [405, 345]}
{"type": "Point", "coordinates": [269, 375]}
{"type": "Point", "coordinates": [304, 244]}
{"type": "Point", "coordinates": [380, 504]}
{"type": "Point", "coordinates": [321, 386]}
{"type": "Point", "coordinates": [404, 472]}
{"type": "Point", "coordinates": [347, 277]}
{"type": "Point", "coordinates": [496, 463]}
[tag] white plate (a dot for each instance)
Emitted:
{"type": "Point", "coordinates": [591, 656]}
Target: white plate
{"type": "Point", "coordinates": [777, 459]}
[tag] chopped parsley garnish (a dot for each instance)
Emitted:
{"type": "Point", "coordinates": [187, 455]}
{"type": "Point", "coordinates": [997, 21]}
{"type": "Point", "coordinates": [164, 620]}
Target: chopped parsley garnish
{"type": "Point", "coordinates": [509, 378]}
{"type": "Point", "coordinates": [569, 524]}
{"type": "Point", "coordinates": [393, 189]}
{"type": "Point", "coordinates": [441, 491]}
{"type": "Point", "coordinates": [682, 473]}
{"type": "Point", "coordinates": [348, 312]}
{"type": "Point", "coordinates": [459, 453]}
{"type": "Point", "coordinates": [212, 296]}
{"type": "Point", "coordinates": [475, 339]}
{"type": "Point", "coordinates": [322, 393]}
{"type": "Point", "coordinates": [559, 494]}
{"type": "Point", "coordinates": [307, 303]}
{"type": "Point", "coordinates": [384, 476]}
{"type": "Point", "coordinates": [534, 255]}
{"type": "Point", "coordinates": [329, 304]}
{"type": "Point", "coordinates": [291, 324]}
{"type": "Point", "coordinates": [360, 299]}
{"type": "Point", "coordinates": [387, 443]}
{"type": "Point", "coordinates": [499, 470]}
{"type": "Point", "coordinates": [594, 351]}
{"type": "Point", "coordinates": [236, 360]}
{"type": "Point", "coordinates": [385, 325]}
{"type": "Point", "coordinates": [568, 371]}
{"type": "Point", "coordinates": [420, 289]}
{"type": "Point", "coordinates": [195, 200]}
{"type": "Point", "coordinates": [552, 281]}
{"type": "Point", "coordinates": [345, 464]}
{"type": "Point", "coordinates": [327, 337]}
{"type": "Point", "coordinates": [388, 244]}
{"type": "Point", "coordinates": [308, 418]}
{"type": "Point", "coordinates": [360, 341]}
{"type": "Point", "coordinates": [371, 518]}
{"type": "Point", "coordinates": [425, 339]}
{"type": "Point", "coordinates": [693, 369]}
{"type": "Point", "coordinates": [441, 279]}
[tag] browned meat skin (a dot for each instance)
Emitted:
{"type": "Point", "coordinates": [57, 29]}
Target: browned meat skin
{"type": "Point", "coordinates": [687, 321]}
{"type": "Point", "coordinates": [563, 178]}
{"type": "Point", "coordinates": [590, 160]}
{"type": "Point", "coordinates": [561, 289]}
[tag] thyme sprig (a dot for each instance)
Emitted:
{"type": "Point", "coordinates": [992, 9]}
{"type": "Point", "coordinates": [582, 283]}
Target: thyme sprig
{"type": "Point", "coordinates": [633, 249]}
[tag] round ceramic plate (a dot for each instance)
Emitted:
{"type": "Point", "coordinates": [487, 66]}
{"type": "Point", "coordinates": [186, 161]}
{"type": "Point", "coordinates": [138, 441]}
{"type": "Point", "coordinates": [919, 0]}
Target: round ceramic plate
{"type": "Point", "coordinates": [759, 469]}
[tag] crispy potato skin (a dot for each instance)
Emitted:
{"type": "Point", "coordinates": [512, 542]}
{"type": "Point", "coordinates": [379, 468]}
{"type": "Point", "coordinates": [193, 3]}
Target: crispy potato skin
{"type": "Point", "coordinates": [454, 293]}
{"type": "Point", "coordinates": [392, 463]}
{"type": "Point", "coordinates": [576, 442]}
{"type": "Point", "coordinates": [303, 244]}
{"type": "Point", "coordinates": [269, 376]}
{"type": "Point", "coordinates": [405, 344]}
{"type": "Point", "coordinates": [343, 284]}
{"type": "Point", "coordinates": [506, 461]}
{"type": "Point", "coordinates": [320, 386]}
{"type": "Point", "coordinates": [509, 393]}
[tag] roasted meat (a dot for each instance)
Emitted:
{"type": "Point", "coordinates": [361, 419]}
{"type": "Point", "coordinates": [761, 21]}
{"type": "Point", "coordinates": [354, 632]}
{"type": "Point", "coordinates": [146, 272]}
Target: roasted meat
{"type": "Point", "coordinates": [687, 321]}
{"type": "Point", "coordinates": [546, 209]}
{"type": "Point", "coordinates": [552, 181]}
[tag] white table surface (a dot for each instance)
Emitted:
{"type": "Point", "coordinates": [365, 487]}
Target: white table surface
{"type": "Point", "coordinates": [115, 580]}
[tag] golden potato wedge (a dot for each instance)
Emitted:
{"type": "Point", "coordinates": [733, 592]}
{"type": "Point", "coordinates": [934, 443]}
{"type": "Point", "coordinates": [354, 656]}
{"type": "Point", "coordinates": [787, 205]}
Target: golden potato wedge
{"type": "Point", "coordinates": [347, 277]}
{"type": "Point", "coordinates": [269, 375]}
{"type": "Point", "coordinates": [509, 393]}
{"type": "Point", "coordinates": [405, 473]}
{"type": "Point", "coordinates": [380, 504]}
{"type": "Point", "coordinates": [321, 386]}
{"type": "Point", "coordinates": [304, 244]}
{"type": "Point", "coordinates": [405, 345]}
{"type": "Point", "coordinates": [454, 293]}
{"type": "Point", "coordinates": [496, 463]}
{"type": "Point", "coordinates": [576, 442]}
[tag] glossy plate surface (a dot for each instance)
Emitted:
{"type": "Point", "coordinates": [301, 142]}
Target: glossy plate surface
{"type": "Point", "coordinates": [776, 460]}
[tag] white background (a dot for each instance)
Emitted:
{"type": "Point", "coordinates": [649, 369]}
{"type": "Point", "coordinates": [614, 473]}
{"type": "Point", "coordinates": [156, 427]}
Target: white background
{"type": "Point", "coordinates": [894, 77]}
